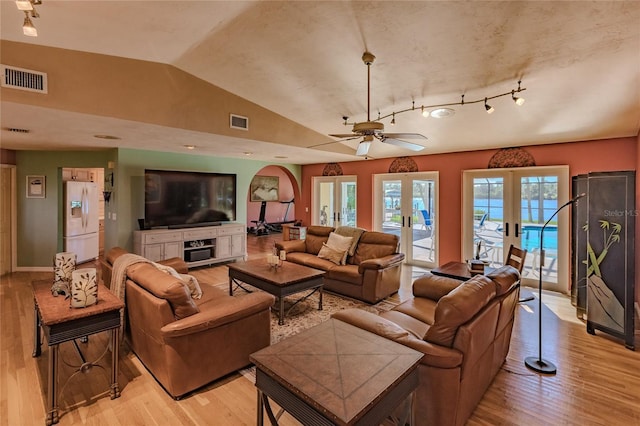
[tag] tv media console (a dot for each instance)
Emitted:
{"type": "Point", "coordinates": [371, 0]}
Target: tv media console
{"type": "Point", "coordinates": [197, 246]}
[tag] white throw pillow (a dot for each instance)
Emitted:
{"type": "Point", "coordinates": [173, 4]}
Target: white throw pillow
{"type": "Point", "coordinates": [337, 243]}
{"type": "Point", "coordinates": [189, 280]}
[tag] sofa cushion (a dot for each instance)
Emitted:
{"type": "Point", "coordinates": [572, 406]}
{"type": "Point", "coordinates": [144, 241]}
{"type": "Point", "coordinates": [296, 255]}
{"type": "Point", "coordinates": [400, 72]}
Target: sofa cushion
{"type": "Point", "coordinates": [310, 260]}
{"type": "Point", "coordinates": [114, 253]}
{"type": "Point", "coordinates": [458, 307]}
{"type": "Point", "coordinates": [374, 245]}
{"type": "Point", "coordinates": [316, 236]}
{"type": "Point", "coordinates": [433, 286]}
{"type": "Point", "coordinates": [346, 273]}
{"type": "Point", "coordinates": [164, 286]}
{"type": "Point", "coordinates": [336, 248]}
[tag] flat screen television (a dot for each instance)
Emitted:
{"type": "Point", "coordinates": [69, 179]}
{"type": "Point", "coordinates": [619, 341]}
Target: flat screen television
{"type": "Point", "coordinates": [178, 199]}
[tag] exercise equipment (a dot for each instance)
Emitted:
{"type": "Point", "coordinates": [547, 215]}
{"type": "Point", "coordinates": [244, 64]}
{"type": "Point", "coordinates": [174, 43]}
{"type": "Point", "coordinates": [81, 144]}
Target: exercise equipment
{"type": "Point", "coordinates": [263, 227]}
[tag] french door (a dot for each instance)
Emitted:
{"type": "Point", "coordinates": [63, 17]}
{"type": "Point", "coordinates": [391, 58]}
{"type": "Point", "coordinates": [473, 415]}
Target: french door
{"type": "Point", "coordinates": [510, 206]}
{"type": "Point", "coordinates": [334, 201]}
{"type": "Point", "coordinates": [405, 204]}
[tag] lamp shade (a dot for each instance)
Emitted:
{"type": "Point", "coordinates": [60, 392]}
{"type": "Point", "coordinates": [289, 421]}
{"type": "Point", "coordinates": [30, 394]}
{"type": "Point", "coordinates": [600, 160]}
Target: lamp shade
{"type": "Point", "coordinates": [84, 288]}
{"type": "Point", "coordinates": [64, 264]}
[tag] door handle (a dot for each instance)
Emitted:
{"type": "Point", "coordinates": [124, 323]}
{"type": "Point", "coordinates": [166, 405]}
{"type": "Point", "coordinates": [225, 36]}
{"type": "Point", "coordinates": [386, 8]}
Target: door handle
{"type": "Point", "coordinates": [517, 230]}
{"type": "Point", "coordinates": [403, 221]}
{"type": "Point", "coordinates": [409, 219]}
{"type": "Point", "coordinates": [506, 229]}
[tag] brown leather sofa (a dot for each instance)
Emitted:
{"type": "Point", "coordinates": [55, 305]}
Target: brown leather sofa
{"type": "Point", "coordinates": [187, 343]}
{"type": "Point", "coordinates": [371, 274]}
{"type": "Point", "coordinates": [463, 329]}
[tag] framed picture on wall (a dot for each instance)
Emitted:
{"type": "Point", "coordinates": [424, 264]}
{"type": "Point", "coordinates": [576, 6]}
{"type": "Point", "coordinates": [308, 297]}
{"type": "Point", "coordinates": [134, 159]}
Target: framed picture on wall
{"type": "Point", "coordinates": [264, 188]}
{"type": "Point", "coordinates": [36, 186]}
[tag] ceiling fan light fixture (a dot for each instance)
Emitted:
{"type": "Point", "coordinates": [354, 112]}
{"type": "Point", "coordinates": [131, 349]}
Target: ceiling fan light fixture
{"type": "Point", "coordinates": [27, 28]}
{"type": "Point", "coordinates": [488, 107]}
{"type": "Point", "coordinates": [363, 147]}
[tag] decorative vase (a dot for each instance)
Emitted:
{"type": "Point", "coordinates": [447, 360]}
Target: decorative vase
{"type": "Point", "coordinates": [84, 288]}
{"type": "Point", "coordinates": [63, 266]}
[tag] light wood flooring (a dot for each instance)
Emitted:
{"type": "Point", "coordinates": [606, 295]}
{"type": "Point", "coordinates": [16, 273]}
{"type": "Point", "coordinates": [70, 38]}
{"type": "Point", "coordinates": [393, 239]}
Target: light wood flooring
{"type": "Point", "coordinates": [598, 379]}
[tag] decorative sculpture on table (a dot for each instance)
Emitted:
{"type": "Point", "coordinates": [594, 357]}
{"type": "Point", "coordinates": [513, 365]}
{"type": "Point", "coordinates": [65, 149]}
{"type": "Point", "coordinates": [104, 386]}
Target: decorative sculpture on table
{"type": "Point", "coordinates": [63, 265]}
{"type": "Point", "coordinates": [84, 288]}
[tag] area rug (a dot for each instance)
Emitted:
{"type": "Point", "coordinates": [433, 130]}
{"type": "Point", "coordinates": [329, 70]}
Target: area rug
{"type": "Point", "coordinates": [305, 314]}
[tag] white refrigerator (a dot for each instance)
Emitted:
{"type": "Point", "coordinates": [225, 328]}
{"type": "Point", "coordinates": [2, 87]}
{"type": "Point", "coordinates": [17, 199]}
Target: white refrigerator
{"type": "Point", "coordinates": [81, 220]}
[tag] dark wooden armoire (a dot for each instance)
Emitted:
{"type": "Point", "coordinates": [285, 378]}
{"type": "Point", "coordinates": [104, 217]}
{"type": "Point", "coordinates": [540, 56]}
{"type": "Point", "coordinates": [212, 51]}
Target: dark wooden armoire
{"type": "Point", "coordinates": [603, 261]}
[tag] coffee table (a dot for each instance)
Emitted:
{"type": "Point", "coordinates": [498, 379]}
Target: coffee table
{"type": "Point", "coordinates": [290, 278]}
{"type": "Point", "coordinates": [336, 374]}
{"type": "Point", "coordinates": [457, 271]}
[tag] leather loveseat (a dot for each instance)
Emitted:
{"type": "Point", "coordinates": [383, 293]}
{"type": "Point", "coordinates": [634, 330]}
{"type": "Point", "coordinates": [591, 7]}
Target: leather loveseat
{"type": "Point", "coordinates": [370, 274]}
{"type": "Point", "coordinates": [187, 343]}
{"type": "Point", "coordinates": [463, 329]}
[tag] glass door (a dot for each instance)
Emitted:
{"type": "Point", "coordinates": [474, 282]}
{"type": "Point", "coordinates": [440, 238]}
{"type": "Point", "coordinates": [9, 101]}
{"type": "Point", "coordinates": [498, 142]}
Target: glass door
{"type": "Point", "coordinates": [334, 201]}
{"type": "Point", "coordinates": [511, 206]}
{"type": "Point", "coordinates": [405, 205]}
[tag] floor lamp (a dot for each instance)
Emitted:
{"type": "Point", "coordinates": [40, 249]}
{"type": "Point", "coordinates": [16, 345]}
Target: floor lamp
{"type": "Point", "coordinates": [539, 364]}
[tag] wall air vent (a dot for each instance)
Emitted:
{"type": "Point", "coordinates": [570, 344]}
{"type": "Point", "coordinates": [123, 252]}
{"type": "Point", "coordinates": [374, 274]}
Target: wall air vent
{"type": "Point", "coordinates": [22, 79]}
{"type": "Point", "coordinates": [238, 122]}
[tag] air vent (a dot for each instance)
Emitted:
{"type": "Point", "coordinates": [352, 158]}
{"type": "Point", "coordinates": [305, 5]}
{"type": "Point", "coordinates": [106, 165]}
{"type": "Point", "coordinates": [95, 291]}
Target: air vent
{"type": "Point", "coordinates": [16, 130]}
{"type": "Point", "coordinates": [238, 122]}
{"type": "Point", "coordinates": [22, 79]}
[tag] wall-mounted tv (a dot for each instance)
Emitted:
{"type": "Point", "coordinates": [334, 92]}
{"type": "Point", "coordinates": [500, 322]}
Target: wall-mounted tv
{"type": "Point", "coordinates": [178, 199]}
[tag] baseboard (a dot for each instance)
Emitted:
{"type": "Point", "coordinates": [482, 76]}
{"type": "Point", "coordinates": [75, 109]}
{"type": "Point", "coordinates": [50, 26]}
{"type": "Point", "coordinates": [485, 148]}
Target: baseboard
{"type": "Point", "coordinates": [34, 269]}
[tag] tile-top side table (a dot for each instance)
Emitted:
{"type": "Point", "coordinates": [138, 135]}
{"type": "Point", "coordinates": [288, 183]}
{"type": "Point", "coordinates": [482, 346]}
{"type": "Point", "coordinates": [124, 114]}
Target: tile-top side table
{"type": "Point", "coordinates": [62, 323]}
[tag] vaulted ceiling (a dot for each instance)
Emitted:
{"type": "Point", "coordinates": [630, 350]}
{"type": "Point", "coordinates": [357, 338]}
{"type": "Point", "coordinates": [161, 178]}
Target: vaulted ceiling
{"type": "Point", "coordinates": [170, 72]}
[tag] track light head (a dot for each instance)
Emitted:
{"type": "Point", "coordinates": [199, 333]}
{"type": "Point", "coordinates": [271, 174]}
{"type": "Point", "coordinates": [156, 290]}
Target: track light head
{"type": "Point", "coordinates": [425, 113]}
{"type": "Point", "coordinates": [518, 100]}
{"type": "Point", "coordinates": [27, 28]}
{"type": "Point", "coordinates": [393, 119]}
{"type": "Point", "coordinates": [488, 107]}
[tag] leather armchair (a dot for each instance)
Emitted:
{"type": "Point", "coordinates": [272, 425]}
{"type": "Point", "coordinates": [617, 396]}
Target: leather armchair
{"type": "Point", "coordinates": [187, 343]}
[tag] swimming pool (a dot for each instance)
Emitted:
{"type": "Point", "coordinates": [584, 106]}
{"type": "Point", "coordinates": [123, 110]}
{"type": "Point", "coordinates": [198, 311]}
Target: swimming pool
{"type": "Point", "coordinates": [531, 237]}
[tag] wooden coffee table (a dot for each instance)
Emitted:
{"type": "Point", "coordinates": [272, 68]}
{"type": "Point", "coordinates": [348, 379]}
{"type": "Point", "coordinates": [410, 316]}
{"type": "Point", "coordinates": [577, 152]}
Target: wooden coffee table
{"type": "Point", "coordinates": [457, 271]}
{"type": "Point", "coordinates": [336, 374]}
{"type": "Point", "coordinates": [290, 278]}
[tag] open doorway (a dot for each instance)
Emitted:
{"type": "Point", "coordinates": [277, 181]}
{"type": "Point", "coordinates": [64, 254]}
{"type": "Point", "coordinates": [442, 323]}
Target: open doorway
{"type": "Point", "coordinates": [271, 201]}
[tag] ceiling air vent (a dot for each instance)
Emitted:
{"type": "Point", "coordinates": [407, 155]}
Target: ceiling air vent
{"type": "Point", "coordinates": [238, 122]}
{"type": "Point", "coordinates": [21, 79]}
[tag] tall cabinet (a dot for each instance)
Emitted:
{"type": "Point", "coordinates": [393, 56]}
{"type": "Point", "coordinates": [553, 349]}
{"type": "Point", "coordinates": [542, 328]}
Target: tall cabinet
{"type": "Point", "coordinates": [603, 242]}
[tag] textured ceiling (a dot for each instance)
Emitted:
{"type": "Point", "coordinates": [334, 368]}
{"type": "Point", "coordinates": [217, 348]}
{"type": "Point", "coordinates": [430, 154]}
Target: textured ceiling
{"type": "Point", "coordinates": [579, 61]}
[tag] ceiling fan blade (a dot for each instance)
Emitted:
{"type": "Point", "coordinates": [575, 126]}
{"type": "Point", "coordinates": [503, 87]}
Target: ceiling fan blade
{"type": "Point", "coordinates": [345, 135]}
{"type": "Point", "coordinates": [402, 144]}
{"type": "Point", "coordinates": [404, 136]}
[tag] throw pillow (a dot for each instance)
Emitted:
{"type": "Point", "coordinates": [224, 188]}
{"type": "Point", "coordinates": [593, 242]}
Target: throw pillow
{"type": "Point", "coordinates": [189, 280]}
{"type": "Point", "coordinates": [331, 254]}
{"type": "Point", "coordinates": [337, 243]}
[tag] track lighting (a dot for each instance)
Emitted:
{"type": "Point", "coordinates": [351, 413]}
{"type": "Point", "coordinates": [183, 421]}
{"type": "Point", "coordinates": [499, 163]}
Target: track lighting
{"type": "Point", "coordinates": [393, 120]}
{"type": "Point", "coordinates": [488, 107]}
{"type": "Point", "coordinates": [441, 110]}
{"type": "Point", "coordinates": [27, 7]}
{"type": "Point", "coordinates": [27, 28]}
{"type": "Point", "coordinates": [24, 5]}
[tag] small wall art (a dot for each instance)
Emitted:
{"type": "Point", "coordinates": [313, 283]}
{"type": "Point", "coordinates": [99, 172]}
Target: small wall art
{"type": "Point", "coordinates": [264, 188]}
{"type": "Point", "coordinates": [36, 186]}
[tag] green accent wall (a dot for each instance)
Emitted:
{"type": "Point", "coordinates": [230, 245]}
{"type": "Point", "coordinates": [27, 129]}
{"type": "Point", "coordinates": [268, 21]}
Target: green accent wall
{"type": "Point", "coordinates": [40, 220]}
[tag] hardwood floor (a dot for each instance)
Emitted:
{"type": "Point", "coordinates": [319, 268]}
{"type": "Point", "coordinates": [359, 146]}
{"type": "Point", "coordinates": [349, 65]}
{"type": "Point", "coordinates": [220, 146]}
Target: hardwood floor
{"type": "Point", "coordinates": [598, 379]}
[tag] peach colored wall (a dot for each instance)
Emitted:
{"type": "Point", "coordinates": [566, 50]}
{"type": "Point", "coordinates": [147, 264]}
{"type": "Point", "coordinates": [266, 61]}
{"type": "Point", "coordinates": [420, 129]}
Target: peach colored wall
{"type": "Point", "coordinates": [582, 157]}
{"type": "Point", "coordinates": [275, 210]}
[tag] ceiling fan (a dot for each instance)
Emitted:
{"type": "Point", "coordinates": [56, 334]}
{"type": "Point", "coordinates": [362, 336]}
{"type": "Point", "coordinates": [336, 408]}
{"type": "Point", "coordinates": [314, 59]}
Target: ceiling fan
{"type": "Point", "coordinates": [368, 130]}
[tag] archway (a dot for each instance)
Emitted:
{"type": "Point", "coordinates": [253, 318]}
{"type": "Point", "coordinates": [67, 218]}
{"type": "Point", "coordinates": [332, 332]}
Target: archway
{"type": "Point", "coordinates": [277, 189]}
